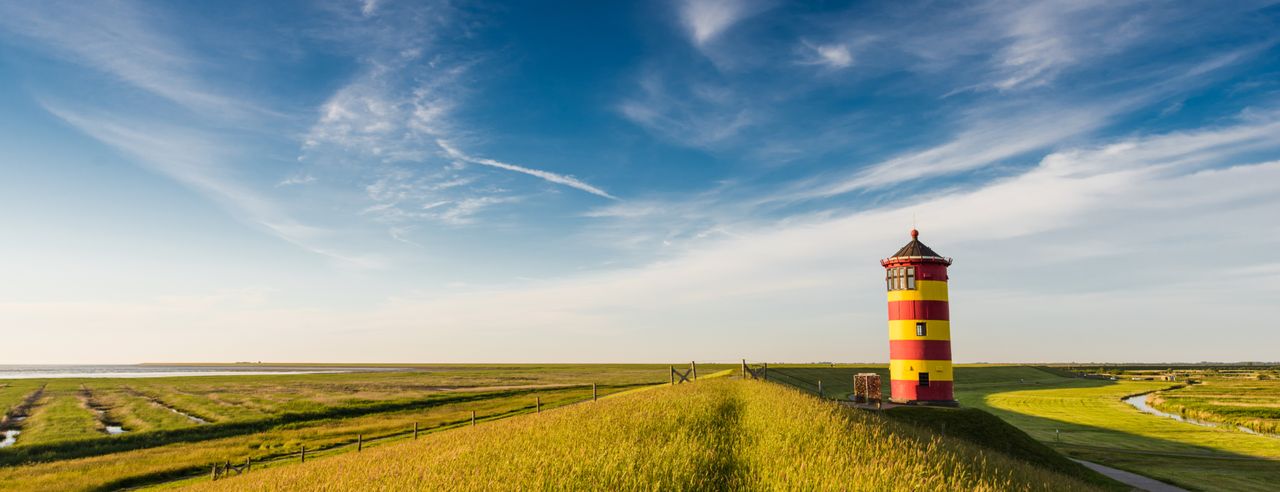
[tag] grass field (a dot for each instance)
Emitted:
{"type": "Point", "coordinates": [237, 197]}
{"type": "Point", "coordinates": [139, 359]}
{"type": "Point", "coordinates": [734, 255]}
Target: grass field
{"type": "Point", "coordinates": [1086, 419]}
{"type": "Point", "coordinates": [59, 415]}
{"type": "Point", "coordinates": [13, 396]}
{"type": "Point", "coordinates": [1251, 403]}
{"type": "Point", "coordinates": [62, 446]}
{"type": "Point", "coordinates": [713, 435]}
{"type": "Point", "coordinates": [268, 418]}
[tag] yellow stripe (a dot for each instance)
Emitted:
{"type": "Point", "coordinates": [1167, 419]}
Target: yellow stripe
{"type": "Point", "coordinates": [905, 329]}
{"type": "Point", "coordinates": [939, 370]}
{"type": "Point", "coordinates": [926, 290]}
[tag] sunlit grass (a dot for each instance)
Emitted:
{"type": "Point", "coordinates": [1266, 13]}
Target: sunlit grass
{"type": "Point", "coordinates": [1086, 419]}
{"type": "Point", "coordinates": [713, 435]}
{"type": "Point", "coordinates": [163, 460]}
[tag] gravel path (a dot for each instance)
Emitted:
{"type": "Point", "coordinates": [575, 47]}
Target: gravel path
{"type": "Point", "coordinates": [1129, 478]}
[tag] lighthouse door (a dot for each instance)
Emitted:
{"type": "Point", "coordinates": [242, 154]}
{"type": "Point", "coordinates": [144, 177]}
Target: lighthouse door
{"type": "Point", "coordinates": [924, 379]}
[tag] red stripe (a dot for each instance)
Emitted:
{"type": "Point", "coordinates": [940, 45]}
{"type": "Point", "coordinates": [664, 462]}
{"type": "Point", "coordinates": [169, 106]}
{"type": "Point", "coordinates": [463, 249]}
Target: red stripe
{"type": "Point", "coordinates": [908, 390]}
{"type": "Point", "coordinates": [924, 271]}
{"type": "Point", "coordinates": [938, 310]}
{"type": "Point", "coordinates": [920, 349]}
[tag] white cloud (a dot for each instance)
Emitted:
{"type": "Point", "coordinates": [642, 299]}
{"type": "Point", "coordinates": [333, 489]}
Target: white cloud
{"type": "Point", "coordinates": [391, 121]}
{"type": "Point", "coordinates": [198, 162]}
{"type": "Point", "coordinates": [988, 140]}
{"type": "Point", "coordinates": [695, 114]}
{"type": "Point", "coordinates": [780, 288]}
{"type": "Point", "coordinates": [831, 55]}
{"type": "Point", "coordinates": [707, 19]}
{"type": "Point", "coordinates": [121, 39]}
{"type": "Point", "coordinates": [1153, 239]}
{"type": "Point", "coordinates": [296, 179]}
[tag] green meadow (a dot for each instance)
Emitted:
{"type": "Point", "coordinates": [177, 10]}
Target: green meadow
{"type": "Point", "coordinates": [718, 434]}
{"type": "Point", "coordinates": [178, 428]}
{"type": "Point", "coordinates": [1087, 419]}
{"type": "Point", "coordinates": [1248, 402]}
{"type": "Point", "coordinates": [63, 444]}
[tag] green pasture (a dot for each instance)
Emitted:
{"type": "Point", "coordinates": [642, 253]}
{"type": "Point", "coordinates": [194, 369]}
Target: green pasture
{"type": "Point", "coordinates": [719, 434]}
{"type": "Point", "coordinates": [268, 418]}
{"type": "Point", "coordinates": [62, 446]}
{"type": "Point", "coordinates": [1252, 403]}
{"type": "Point", "coordinates": [1086, 419]}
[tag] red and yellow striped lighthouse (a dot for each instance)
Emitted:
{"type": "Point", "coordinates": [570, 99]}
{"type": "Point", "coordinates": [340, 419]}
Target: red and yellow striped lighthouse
{"type": "Point", "coordinates": [919, 325]}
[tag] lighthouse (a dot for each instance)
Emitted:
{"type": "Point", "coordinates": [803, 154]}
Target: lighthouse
{"type": "Point", "coordinates": [919, 325]}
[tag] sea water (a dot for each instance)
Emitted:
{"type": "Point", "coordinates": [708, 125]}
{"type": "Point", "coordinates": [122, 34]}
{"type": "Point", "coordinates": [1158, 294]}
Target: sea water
{"type": "Point", "coordinates": [157, 371]}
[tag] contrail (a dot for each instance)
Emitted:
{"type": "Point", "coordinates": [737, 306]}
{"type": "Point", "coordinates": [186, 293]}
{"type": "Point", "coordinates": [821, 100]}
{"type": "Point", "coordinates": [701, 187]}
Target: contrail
{"type": "Point", "coordinates": [569, 181]}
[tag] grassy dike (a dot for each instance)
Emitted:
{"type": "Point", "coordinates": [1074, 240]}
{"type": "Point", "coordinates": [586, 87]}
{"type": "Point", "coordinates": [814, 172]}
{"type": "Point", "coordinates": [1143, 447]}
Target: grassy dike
{"type": "Point", "coordinates": [169, 460]}
{"type": "Point", "coordinates": [712, 435]}
{"type": "Point", "coordinates": [988, 431]}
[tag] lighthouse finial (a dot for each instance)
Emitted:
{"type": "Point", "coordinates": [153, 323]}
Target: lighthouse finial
{"type": "Point", "coordinates": [914, 233]}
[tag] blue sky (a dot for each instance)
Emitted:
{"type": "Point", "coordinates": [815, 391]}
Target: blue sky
{"type": "Point", "coordinates": [712, 180]}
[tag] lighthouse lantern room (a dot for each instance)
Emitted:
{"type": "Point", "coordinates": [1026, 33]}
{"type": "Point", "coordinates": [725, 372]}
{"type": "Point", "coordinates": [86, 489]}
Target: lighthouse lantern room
{"type": "Point", "coordinates": [919, 325]}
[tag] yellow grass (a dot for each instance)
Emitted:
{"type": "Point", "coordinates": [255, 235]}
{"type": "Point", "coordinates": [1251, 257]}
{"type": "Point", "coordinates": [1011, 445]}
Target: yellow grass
{"type": "Point", "coordinates": [712, 435]}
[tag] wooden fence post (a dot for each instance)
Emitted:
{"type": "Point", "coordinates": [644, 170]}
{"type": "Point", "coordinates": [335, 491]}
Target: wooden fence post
{"type": "Point", "coordinates": [594, 396]}
{"type": "Point", "coordinates": [819, 388]}
{"type": "Point", "coordinates": [693, 366]}
{"type": "Point", "coordinates": [473, 417]}
{"type": "Point", "coordinates": [673, 375]}
{"type": "Point", "coordinates": [538, 403]}
{"type": "Point", "coordinates": [359, 442]}
{"type": "Point", "coordinates": [415, 430]}
{"type": "Point", "coordinates": [766, 371]}
{"type": "Point", "coordinates": [246, 463]}
{"type": "Point", "coordinates": [227, 469]}
{"type": "Point", "coordinates": [744, 368]}
{"type": "Point", "coordinates": [213, 475]}
{"type": "Point", "coordinates": [304, 453]}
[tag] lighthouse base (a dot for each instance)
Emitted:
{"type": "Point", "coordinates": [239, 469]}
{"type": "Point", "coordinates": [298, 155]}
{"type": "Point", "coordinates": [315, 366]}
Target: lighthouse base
{"type": "Point", "coordinates": [907, 390]}
{"type": "Point", "coordinates": [926, 403]}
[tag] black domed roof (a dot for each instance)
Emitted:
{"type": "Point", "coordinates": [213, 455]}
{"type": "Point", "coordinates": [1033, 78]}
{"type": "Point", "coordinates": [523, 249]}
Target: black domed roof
{"type": "Point", "coordinates": [917, 249]}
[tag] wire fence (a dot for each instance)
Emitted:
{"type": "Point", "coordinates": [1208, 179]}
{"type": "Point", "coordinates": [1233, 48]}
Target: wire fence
{"type": "Point", "coordinates": [831, 382]}
{"type": "Point", "coordinates": [357, 442]}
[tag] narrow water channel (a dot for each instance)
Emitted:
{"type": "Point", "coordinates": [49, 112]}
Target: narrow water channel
{"type": "Point", "coordinates": [190, 417]}
{"type": "Point", "coordinates": [1140, 402]}
{"type": "Point", "coordinates": [193, 418]}
{"type": "Point", "coordinates": [101, 415]}
{"type": "Point", "coordinates": [10, 438]}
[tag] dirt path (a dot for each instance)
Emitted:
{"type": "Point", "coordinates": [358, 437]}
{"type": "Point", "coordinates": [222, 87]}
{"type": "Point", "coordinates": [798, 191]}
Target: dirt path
{"type": "Point", "coordinates": [1133, 479]}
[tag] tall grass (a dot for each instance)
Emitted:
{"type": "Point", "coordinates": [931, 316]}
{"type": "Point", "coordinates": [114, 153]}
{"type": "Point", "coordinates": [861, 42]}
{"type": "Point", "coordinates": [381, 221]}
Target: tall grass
{"type": "Point", "coordinates": [713, 435]}
{"type": "Point", "coordinates": [163, 460]}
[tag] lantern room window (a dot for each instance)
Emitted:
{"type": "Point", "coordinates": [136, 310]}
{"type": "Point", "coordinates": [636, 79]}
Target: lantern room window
{"type": "Point", "coordinates": [921, 329]}
{"type": "Point", "coordinates": [900, 278]}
